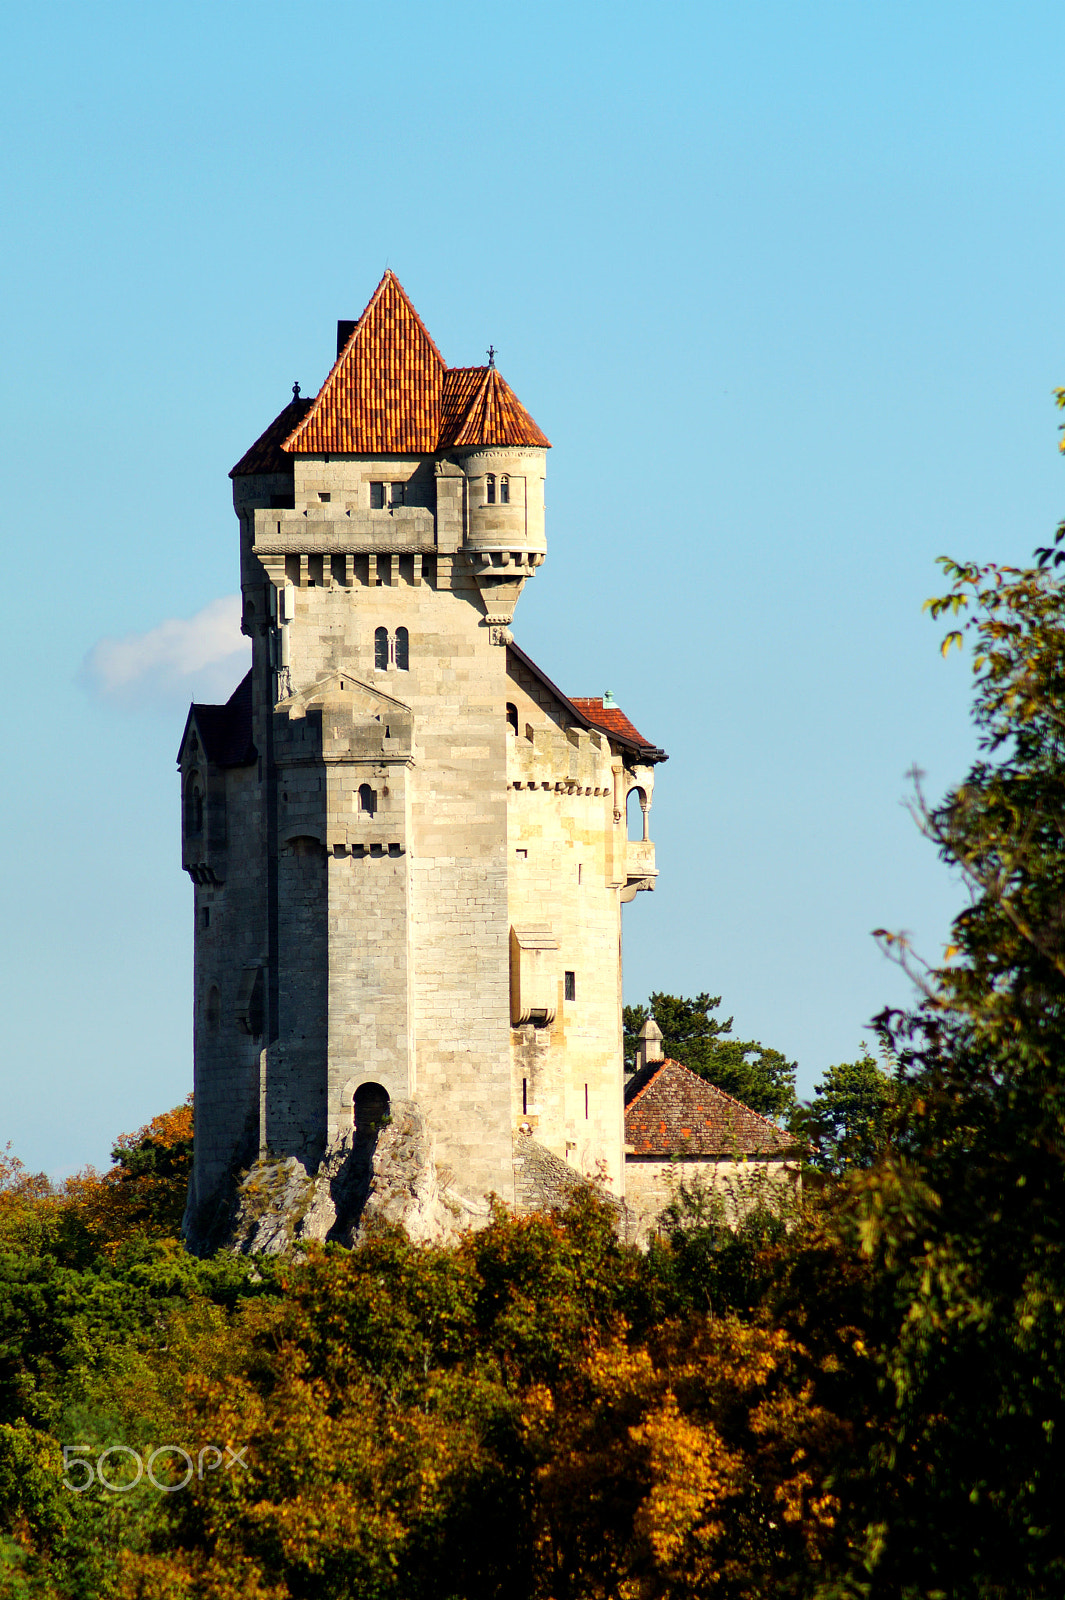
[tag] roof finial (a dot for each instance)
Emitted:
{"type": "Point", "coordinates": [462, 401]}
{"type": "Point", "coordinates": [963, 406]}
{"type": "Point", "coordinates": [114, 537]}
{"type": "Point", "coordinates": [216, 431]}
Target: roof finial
{"type": "Point", "coordinates": [491, 355]}
{"type": "Point", "coordinates": [295, 391]}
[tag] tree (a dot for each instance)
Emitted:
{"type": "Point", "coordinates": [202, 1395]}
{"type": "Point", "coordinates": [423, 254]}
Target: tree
{"type": "Point", "coordinates": [848, 1119]}
{"type": "Point", "coordinates": [761, 1077]}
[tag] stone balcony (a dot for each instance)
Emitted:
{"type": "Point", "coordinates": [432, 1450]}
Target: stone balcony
{"type": "Point", "coordinates": [640, 869]}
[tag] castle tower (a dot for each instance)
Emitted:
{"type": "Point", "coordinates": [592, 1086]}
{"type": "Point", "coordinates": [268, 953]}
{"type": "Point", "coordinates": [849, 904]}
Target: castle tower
{"type": "Point", "coordinates": [408, 846]}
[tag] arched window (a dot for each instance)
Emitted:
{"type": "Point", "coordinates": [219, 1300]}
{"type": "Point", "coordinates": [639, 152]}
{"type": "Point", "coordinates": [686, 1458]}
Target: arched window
{"type": "Point", "coordinates": [367, 799]}
{"type": "Point", "coordinates": [380, 649]}
{"type": "Point", "coordinates": [512, 716]}
{"type": "Point", "coordinates": [490, 489]}
{"type": "Point", "coordinates": [504, 490]}
{"type": "Point", "coordinates": [636, 814]}
{"type": "Point", "coordinates": [193, 806]}
{"type": "Point", "coordinates": [402, 649]}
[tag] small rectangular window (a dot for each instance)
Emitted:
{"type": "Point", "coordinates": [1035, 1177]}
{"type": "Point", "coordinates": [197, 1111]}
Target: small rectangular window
{"type": "Point", "coordinates": [398, 493]}
{"type": "Point", "coordinates": [207, 916]}
{"type": "Point", "coordinates": [521, 854]}
{"type": "Point", "coordinates": [325, 498]}
{"type": "Point", "coordinates": [571, 985]}
{"type": "Point", "coordinates": [377, 497]}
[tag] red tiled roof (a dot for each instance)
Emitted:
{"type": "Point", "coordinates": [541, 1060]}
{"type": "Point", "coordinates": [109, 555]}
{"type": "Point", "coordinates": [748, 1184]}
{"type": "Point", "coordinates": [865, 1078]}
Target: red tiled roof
{"type": "Point", "coordinates": [670, 1111]}
{"type": "Point", "coordinates": [390, 393]}
{"type": "Point", "coordinates": [266, 454]}
{"type": "Point", "coordinates": [383, 395]}
{"type": "Point", "coordinates": [225, 730]}
{"type": "Point", "coordinates": [623, 732]}
{"type": "Point", "coordinates": [611, 718]}
{"type": "Point", "coordinates": [492, 415]}
{"type": "Point", "coordinates": [460, 386]}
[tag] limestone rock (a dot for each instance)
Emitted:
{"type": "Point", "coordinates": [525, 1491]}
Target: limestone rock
{"type": "Point", "coordinates": [390, 1177]}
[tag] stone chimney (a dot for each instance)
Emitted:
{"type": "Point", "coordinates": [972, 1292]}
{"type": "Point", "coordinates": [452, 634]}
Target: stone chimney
{"type": "Point", "coordinates": [650, 1045]}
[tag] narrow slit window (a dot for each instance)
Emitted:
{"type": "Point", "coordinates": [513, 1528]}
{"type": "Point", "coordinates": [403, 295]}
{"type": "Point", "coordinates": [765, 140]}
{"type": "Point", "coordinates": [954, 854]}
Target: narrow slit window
{"type": "Point", "coordinates": [524, 1096]}
{"type": "Point", "coordinates": [380, 649]}
{"type": "Point", "coordinates": [402, 649]}
{"type": "Point", "coordinates": [571, 986]}
{"type": "Point", "coordinates": [490, 489]}
{"type": "Point", "coordinates": [377, 497]}
{"type": "Point", "coordinates": [504, 490]}
{"type": "Point", "coordinates": [586, 1102]}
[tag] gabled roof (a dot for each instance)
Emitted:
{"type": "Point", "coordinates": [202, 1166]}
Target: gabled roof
{"type": "Point", "coordinates": [488, 412]}
{"type": "Point", "coordinates": [669, 1111]}
{"type": "Point", "coordinates": [225, 731]}
{"type": "Point", "coordinates": [621, 731]}
{"type": "Point", "coordinates": [266, 454]}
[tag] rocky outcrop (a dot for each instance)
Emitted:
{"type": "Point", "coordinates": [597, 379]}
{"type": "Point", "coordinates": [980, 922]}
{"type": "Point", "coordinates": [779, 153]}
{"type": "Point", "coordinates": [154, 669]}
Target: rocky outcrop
{"type": "Point", "coordinates": [388, 1176]}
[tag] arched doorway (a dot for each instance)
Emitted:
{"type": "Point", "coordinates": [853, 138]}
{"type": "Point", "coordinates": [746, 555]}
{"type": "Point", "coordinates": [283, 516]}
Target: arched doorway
{"type": "Point", "coordinates": [370, 1108]}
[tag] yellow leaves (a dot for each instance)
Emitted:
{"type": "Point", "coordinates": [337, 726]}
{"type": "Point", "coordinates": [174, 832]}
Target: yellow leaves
{"type": "Point", "coordinates": [692, 1474]}
{"type": "Point", "coordinates": [952, 638]}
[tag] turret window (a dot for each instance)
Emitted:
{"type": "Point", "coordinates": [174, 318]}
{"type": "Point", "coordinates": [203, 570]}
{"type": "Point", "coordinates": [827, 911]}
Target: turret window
{"type": "Point", "coordinates": [193, 806]}
{"type": "Point", "coordinates": [490, 489]}
{"type": "Point", "coordinates": [391, 650]}
{"type": "Point", "coordinates": [504, 490]}
{"type": "Point", "coordinates": [367, 799]}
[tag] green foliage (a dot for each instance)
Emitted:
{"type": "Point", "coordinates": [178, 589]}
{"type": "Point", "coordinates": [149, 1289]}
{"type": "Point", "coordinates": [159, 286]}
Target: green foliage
{"type": "Point", "coordinates": [848, 1122]}
{"type": "Point", "coordinates": [761, 1077]}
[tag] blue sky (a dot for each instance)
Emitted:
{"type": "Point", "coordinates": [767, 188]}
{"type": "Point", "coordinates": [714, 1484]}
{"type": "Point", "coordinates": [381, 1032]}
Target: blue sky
{"type": "Point", "coordinates": [783, 286]}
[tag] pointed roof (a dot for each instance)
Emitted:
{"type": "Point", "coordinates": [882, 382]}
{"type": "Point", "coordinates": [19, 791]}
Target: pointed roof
{"type": "Point", "coordinates": [383, 395]}
{"type": "Point", "coordinates": [225, 731]}
{"type": "Point", "coordinates": [390, 393]}
{"type": "Point", "coordinates": [266, 454]}
{"type": "Point", "coordinates": [492, 414]}
{"type": "Point", "coordinates": [669, 1111]}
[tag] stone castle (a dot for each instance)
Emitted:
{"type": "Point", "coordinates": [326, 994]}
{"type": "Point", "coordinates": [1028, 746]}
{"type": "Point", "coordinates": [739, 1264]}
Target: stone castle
{"type": "Point", "coordinates": [409, 848]}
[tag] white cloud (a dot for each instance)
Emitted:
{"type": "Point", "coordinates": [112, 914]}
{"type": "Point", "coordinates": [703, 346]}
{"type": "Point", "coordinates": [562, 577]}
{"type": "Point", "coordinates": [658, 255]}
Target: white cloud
{"type": "Point", "coordinates": [184, 658]}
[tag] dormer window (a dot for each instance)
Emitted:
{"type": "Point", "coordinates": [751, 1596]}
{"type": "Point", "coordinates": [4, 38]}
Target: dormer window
{"type": "Point", "coordinates": [490, 489]}
{"type": "Point", "coordinates": [504, 490]}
